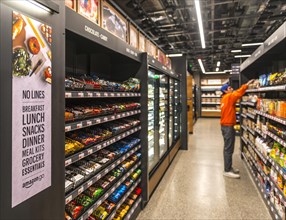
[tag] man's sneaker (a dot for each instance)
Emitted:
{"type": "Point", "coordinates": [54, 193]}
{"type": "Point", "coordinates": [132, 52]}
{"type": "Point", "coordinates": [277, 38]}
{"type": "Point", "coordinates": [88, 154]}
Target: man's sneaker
{"type": "Point", "coordinates": [234, 170]}
{"type": "Point", "coordinates": [230, 174]}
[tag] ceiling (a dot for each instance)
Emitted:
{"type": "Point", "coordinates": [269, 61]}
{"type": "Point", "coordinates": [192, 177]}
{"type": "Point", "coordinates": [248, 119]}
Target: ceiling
{"type": "Point", "coordinates": [173, 25]}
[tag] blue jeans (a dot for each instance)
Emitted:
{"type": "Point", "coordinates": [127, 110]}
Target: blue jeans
{"type": "Point", "coordinates": [228, 134]}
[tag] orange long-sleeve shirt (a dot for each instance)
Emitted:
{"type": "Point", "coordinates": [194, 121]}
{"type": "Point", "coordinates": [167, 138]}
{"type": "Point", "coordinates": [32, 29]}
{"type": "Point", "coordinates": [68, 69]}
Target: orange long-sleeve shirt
{"type": "Point", "coordinates": [228, 106]}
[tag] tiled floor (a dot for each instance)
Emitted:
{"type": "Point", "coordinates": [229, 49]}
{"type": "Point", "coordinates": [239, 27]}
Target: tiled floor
{"type": "Point", "coordinates": [194, 187]}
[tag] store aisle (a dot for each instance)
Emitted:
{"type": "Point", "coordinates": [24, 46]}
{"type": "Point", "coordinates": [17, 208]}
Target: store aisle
{"type": "Point", "coordinates": [194, 187]}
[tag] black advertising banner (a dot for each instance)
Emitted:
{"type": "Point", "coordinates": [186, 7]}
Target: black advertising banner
{"type": "Point", "coordinates": [32, 106]}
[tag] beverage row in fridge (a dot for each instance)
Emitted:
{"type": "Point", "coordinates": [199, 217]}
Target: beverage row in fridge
{"type": "Point", "coordinates": [163, 115]}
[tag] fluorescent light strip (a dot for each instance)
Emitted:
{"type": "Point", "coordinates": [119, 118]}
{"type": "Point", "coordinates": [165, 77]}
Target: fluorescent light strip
{"type": "Point", "coordinates": [235, 51]}
{"type": "Point", "coordinates": [201, 65]}
{"type": "Point", "coordinates": [39, 5]}
{"type": "Point", "coordinates": [218, 64]}
{"type": "Point", "coordinates": [219, 72]}
{"type": "Point", "coordinates": [240, 56]}
{"type": "Point", "coordinates": [200, 22]}
{"type": "Point", "coordinates": [174, 55]}
{"type": "Point", "coordinates": [251, 44]}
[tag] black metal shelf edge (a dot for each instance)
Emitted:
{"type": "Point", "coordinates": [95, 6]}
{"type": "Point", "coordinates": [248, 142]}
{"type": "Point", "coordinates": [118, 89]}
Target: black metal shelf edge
{"type": "Point", "coordinates": [251, 116]}
{"type": "Point", "coordinates": [84, 153]}
{"type": "Point", "coordinates": [243, 115]}
{"type": "Point", "coordinates": [253, 104]}
{"type": "Point", "coordinates": [94, 94]}
{"type": "Point", "coordinates": [276, 138]}
{"type": "Point", "coordinates": [274, 118]}
{"type": "Point", "coordinates": [251, 131]}
{"type": "Point", "coordinates": [268, 89]}
{"type": "Point", "coordinates": [98, 120]}
{"type": "Point", "coordinates": [87, 213]}
{"type": "Point", "coordinates": [70, 196]}
{"type": "Point", "coordinates": [258, 131]}
{"type": "Point", "coordinates": [153, 63]}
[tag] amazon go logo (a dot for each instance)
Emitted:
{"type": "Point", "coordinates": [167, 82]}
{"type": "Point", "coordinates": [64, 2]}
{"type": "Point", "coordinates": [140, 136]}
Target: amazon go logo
{"type": "Point", "coordinates": [31, 182]}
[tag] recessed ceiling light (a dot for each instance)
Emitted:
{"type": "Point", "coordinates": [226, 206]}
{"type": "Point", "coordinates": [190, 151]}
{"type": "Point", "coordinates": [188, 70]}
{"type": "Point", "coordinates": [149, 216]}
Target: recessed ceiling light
{"type": "Point", "coordinates": [200, 22]}
{"type": "Point", "coordinates": [240, 56]}
{"type": "Point", "coordinates": [251, 44]}
{"type": "Point", "coordinates": [235, 51]}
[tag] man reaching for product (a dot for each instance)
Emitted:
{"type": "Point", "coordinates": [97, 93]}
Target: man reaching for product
{"type": "Point", "coordinates": [227, 121]}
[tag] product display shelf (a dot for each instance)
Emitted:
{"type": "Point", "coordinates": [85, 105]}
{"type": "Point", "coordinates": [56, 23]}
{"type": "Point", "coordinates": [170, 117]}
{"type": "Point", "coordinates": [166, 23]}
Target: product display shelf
{"type": "Point", "coordinates": [205, 96]}
{"type": "Point", "coordinates": [74, 193]}
{"type": "Point", "coordinates": [252, 116]}
{"type": "Point", "coordinates": [70, 126]}
{"type": "Point", "coordinates": [243, 127]}
{"type": "Point", "coordinates": [276, 138]}
{"type": "Point", "coordinates": [262, 191]}
{"type": "Point", "coordinates": [262, 134]}
{"type": "Point", "coordinates": [88, 212]}
{"type": "Point", "coordinates": [251, 131]}
{"type": "Point", "coordinates": [122, 200]}
{"type": "Point", "coordinates": [243, 115]}
{"type": "Point", "coordinates": [84, 153]}
{"type": "Point", "coordinates": [268, 89]}
{"type": "Point", "coordinates": [253, 104]}
{"type": "Point", "coordinates": [274, 118]}
{"type": "Point", "coordinates": [277, 190]}
{"type": "Point", "coordinates": [92, 94]}
{"type": "Point", "coordinates": [262, 157]}
{"type": "Point", "coordinates": [133, 208]}
{"type": "Point", "coordinates": [211, 103]}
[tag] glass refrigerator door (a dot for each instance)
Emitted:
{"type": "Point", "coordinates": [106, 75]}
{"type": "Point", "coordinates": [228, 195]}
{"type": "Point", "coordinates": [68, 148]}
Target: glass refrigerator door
{"type": "Point", "coordinates": [152, 155]}
{"type": "Point", "coordinates": [171, 112]}
{"type": "Point", "coordinates": [177, 111]}
{"type": "Point", "coordinates": [163, 115]}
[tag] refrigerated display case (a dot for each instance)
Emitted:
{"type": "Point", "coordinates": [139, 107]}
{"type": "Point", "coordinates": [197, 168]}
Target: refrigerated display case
{"type": "Point", "coordinates": [177, 110]}
{"type": "Point", "coordinates": [163, 114]}
{"type": "Point", "coordinates": [171, 111]}
{"type": "Point", "coordinates": [152, 156]}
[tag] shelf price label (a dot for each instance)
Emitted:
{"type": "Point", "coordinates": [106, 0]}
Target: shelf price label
{"type": "Point", "coordinates": [68, 162]}
{"type": "Point", "coordinates": [80, 94]}
{"type": "Point", "coordinates": [68, 95]}
{"type": "Point", "coordinates": [90, 212]}
{"type": "Point", "coordinates": [68, 199]}
{"type": "Point", "coordinates": [67, 128]}
{"type": "Point", "coordinates": [97, 121]}
{"type": "Point", "coordinates": [80, 190]}
{"type": "Point", "coordinates": [90, 151]}
{"type": "Point", "coordinates": [105, 118]}
{"type": "Point", "coordinates": [80, 156]}
{"type": "Point", "coordinates": [89, 123]}
{"type": "Point", "coordinates": [97, 94]}
{"type": "Point", "coordinates": [79, 125]}
{"type": "Point", "coordinates": [112, 94]}
{"type": "Point", "coordinates": [89, 94]}
{"type": "Point", "coordinates": [105, 94]}
{"type": "Point", "coordinates": [89, 183]}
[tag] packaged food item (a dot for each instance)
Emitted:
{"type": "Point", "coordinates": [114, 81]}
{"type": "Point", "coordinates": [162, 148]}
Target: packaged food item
{"type": "Point", "coordinates": [84, 200]}
{"type": "Point", "coordinates": [74, 210]}
{"type": "Point", "coordinates": [94, 192]}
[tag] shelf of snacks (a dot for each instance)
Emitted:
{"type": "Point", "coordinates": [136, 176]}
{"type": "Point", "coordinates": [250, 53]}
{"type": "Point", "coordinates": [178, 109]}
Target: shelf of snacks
{"type": "Point", "coordinates": [211, 103]}
{"type": "Point", "coordinates": [268, 89]}
{"type": "Point", "coordinates": [92, 94]}
{"type": "Point", "coordinates": [99, 209]}
{"type": "Point", "coordinates": [210, 96]}
{"type": "Point", "coordinates": [262, 189]}
{"type": "Point", "coordinates": [253, 104]}
{"type": "Point", "coordinates": [272, 117]}
{"type": "Point", "coordinates": [133, 208]}
{"type": "Point", "coordinates": [71, 126]}
{"type": "Point", "coordinates": [91, 180]}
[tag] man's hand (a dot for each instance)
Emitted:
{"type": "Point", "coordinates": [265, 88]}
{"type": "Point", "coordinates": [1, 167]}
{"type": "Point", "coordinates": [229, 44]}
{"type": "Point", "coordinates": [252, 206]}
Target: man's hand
{"type": "Point", "coordinates": [250, 82]}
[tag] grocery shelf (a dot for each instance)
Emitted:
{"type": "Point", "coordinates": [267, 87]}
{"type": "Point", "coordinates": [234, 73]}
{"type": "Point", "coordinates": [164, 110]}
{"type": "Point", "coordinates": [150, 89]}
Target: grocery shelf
{"type": "Point", "coordinates": [73, 194]}
{"type": "Point", "coordinates": [92, 94]}
{"type": "Point", "coordinates": [258, 131]}
{"type": "Point", "coordinates": [210, 110]}
{"type": "Point", "coordinates": [277, 190]}
{"type": "Point", "coordinates": [134, 207]}
{"type": "Point", "coordinates": [251, 116]}
{"type": "Point", "coordinates": [122, 200]}
{"type": "Point", "coordinates": [211, 103]}
{"type": "Point", "coordinates": [253, 104]}
{"type": "Point", "coordinates": [71, 126]}
{"type": "Point", "coordinates": [268, 88]}
{"type": "Point", "coordinates": [211, 96]}
{"type": "Point", "coordinates": [251, 131]}
{"type": "Point", "coordinates": [84, 153]}
{"type": "Point", "coordinates": [244, 140]}
{"type": "Point", "coordinates": [276, 138]}
{"type": "Point", "coordinates": [274, 118]}
{"type": "Point", "coordinates": [262, 157]}
{"type": "Point", "coordinates": [243, 115]}
{"type": "Point", "coordinates": [277, 166]}
{"type": "Point", "coordinates": [262, 191]}
{"type": "Point", "coordinates": [89, 211]}
{"type": "Point", "coordinates": [244, 128]}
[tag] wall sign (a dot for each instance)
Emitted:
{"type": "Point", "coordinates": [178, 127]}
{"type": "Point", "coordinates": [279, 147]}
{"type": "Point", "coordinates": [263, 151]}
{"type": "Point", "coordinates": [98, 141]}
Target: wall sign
{"type": "Point", "coordinates": [32, 106]}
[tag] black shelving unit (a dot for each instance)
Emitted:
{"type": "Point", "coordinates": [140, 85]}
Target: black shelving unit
{"type": "Point", "coordinates": [269, 57]}
{"type": "Point", "coordinates": [114, 60]}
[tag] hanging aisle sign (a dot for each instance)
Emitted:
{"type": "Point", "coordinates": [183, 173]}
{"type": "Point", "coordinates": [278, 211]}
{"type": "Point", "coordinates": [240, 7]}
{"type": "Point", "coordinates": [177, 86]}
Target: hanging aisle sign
{"type": "Point", "coordinates": [32, 107]}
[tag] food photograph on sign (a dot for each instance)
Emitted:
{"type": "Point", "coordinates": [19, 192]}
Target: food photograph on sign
{"type": "Point", "coordinates": [133, 35]}
{"type": "Point", "coordinates": [142, 46]}
{"type": "Point", "coordinates": [31, 48]}
{"type": "Point", "coordinates": [71, 4]}
{"type": "Point", "coordinates": [113, 22]}
{"type": "Point", "coordinates": [89, 9]}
